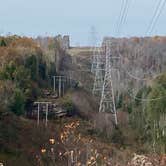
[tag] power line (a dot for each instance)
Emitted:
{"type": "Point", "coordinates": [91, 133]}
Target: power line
{"type": "Point", "coordinates": [161, 9]}
{"type": "Point", "coordinates": [158, 10]}
{"type": "Point", "coordinates": [121, 21]}
{"type": "Point", "coordinates": [156, 15]}
{"type": "Point", "coordinates": [131, 75]}
{"type": "Point", "coordinates": [128, 7]}
{"type": "Point", "coordinates": [123, 15]}
{"type": "Point", "coordinates": [120, 15]}
{"type": "Point", "coordinates": [146, 100]}
{"type": "Point", "coordinates": [139, 79]}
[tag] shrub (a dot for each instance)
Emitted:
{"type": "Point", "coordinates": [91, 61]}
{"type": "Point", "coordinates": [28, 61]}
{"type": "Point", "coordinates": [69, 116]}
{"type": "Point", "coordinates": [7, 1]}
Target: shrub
{"type": "Point", "coordinates": [3, 43]}
{"type": "Point", "coordinates": [18, 102]}
{"type": "Point", "coordinates": [68, 105]}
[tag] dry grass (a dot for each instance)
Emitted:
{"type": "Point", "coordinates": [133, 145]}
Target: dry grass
{"type": "Point", "coordinates": [80, 51]}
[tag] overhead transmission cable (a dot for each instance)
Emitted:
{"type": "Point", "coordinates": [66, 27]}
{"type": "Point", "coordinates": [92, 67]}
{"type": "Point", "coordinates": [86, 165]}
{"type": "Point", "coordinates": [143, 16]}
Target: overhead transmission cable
{"type": "Point", "coordinates": [120, 15]}
{"type": "Point", "coordinates": [122, 19]}
{"type": "Point", "coordinates": [157, 12]}
{"type": "Point", "coordinates": [123, 15]}
{"type": "Point", "coordinates": [127, 12]}
{"type": "Point", "coordinates": [156, 15]}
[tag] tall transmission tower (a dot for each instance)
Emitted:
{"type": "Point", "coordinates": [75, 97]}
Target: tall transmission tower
{"type": "Point", "coordinates": [107, 102]}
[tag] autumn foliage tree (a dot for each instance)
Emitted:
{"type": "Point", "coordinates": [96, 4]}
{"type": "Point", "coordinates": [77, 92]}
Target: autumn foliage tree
{"type": "Point", "coordinates": [23, 65]}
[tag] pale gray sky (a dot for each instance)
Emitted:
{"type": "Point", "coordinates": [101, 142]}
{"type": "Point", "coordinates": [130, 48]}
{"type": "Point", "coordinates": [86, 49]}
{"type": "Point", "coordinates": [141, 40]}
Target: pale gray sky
{"type": "Point", "coordinates": [75, 17]}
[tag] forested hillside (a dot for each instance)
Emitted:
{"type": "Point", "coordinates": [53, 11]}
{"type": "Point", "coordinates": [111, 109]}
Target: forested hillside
{"type": "Point", "coordinates": [27, 67]}
{"type": "Point", "coordinates": [24, 72]}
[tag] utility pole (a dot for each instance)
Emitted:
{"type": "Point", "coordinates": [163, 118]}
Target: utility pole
{"type": "Point", "coordinates": [38, 114]}
{"type": "Point", "coordinates": [46, 114]}
{"type": "Point", "coordinates": [61, 84]}
{"type": "Point", "coordinates": [54, 79]}
{"type": "Point", "coordinates": [107, 102]}
{"type": "Point", "coordinates": [46, 111]}
{"type": "Point", "coordinates": [71, 74]}
{"type": "Point", "coordinates": [63, 87]}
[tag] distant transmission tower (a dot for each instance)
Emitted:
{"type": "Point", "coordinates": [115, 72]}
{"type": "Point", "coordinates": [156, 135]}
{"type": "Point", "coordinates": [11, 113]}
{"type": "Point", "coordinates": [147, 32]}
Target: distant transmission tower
{"type": "Point", "coordinates": [93, 44]}
{"type": "Point", "coordinates": [98, 71]}
{"type": "Point", "coordinates": [97, 64]}
{"type": "Point", "coordinates": [107, 102]}
{"type": "Point", "coordinates": [94, 59]}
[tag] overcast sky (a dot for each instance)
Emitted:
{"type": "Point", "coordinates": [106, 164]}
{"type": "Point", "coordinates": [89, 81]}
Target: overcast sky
{"type": "Point", "coordinates": [76, 17]}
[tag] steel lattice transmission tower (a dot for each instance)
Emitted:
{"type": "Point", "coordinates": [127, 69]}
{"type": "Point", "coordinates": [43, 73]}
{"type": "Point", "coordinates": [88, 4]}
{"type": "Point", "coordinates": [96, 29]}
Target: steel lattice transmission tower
{"type": "Point", "coordinates": [98, 71]}
{"type": "Point", "coordinates": [94, 49]}
{"type": "Point", "coordinates": [97, 63]}
{"type": "Point", "coordinates": [107, 102]}
{"type": "Point", "coordinates": [94, 59]}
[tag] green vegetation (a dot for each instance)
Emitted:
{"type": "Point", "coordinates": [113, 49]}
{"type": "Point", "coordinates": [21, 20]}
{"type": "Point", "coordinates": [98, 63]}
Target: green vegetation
{"type": "Point", "coordinates": [3, 43]}
{"type": "Point", "coordinates": [18, 102]}
{"type": "Point", "coordinates": [149, 114]}
{"type": "Point", "coordinates": [25, 70]}
{"type": "Point", "coordinates": [156, 111]}
{"type": "Point", "coordinates": [24, 67]}
{"type": "Point", "coordinates": [23, 75]}
{"type": "Point", "coordinates": [68, 104]}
